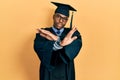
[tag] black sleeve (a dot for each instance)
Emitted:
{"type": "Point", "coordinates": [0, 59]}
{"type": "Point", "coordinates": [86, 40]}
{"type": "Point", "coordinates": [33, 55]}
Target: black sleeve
{"type": "Point", "coordinates": [43, 48]}
{"type": "Point", "coordinates": [70, 51]}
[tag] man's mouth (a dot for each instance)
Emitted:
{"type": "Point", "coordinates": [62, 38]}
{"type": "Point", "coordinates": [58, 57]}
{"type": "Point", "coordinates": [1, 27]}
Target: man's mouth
{"type": "Point", "coordinates": [60, 24]}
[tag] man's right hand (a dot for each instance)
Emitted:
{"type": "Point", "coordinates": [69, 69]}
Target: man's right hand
{"type": "Point", "coordinates": [47, 34]}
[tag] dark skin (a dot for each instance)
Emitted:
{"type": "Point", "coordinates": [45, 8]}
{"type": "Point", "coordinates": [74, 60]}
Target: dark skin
{"type": "Point", "coordinates": [60, 21]}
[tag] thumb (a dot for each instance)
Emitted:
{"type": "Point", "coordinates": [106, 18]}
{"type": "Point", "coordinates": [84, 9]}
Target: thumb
{"type": "Point", "coordinates": [74, 38]}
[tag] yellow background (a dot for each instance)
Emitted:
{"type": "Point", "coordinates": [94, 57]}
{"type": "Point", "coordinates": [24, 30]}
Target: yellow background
{"type": "Point", "coordinates": [97, 20]}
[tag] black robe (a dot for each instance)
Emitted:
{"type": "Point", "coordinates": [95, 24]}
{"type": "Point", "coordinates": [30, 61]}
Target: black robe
{"type": "Point", "coordinates": [57, 65]}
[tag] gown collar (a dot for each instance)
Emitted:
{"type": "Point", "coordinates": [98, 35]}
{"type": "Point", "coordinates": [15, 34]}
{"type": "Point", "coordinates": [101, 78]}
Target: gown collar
{"type": "Point", "coordinates": [56, 31]}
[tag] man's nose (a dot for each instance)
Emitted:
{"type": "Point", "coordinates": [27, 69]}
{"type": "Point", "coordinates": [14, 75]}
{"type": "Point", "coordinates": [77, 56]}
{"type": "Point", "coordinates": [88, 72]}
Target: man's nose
{"type": "Point", "coordinates": [60, 20]}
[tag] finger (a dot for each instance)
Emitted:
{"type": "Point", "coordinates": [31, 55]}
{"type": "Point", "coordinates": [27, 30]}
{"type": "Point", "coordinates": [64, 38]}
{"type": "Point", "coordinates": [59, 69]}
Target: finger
{"type": "Point", "coordinates": [46, 36]}
{"type": "Point", "coordinates": [48, 33]}
{"type": "Point", "coordinates": [74, 38]}
{"type": "Point", "coordinates": [43, 35]}
{"type": "Point", "coordinates": [42, 31]}
{"type": "Point", "coordinates": [74, 29]}
{"type": "Point", "coordinates": [45, 31]}
{"type": "Point", "coordinates": [39, 30]}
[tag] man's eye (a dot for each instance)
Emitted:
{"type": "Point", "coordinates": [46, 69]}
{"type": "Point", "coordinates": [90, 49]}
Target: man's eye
{"type": "Point", "coordinates": [58, 16]}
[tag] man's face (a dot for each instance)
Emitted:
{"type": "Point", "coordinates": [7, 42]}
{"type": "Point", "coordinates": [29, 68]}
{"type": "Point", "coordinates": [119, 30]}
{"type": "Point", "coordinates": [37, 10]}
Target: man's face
{"type": "Point", "coordinates": [60, 20]}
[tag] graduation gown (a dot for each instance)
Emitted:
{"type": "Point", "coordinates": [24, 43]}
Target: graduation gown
{"type": "Point", "coordinates": [57, 65]}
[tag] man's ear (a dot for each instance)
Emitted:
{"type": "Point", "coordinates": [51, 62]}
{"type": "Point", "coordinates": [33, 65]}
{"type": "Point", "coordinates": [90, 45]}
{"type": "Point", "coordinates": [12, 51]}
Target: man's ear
{"type": "Point", "coordinates": [53, 16]}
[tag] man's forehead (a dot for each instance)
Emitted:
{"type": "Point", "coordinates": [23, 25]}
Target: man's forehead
{"type": "Point", "coordinates": [61, 15]}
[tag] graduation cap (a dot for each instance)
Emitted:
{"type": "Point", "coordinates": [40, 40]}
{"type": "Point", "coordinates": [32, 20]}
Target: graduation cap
{"type": "Point", "coordinates": [64, 9]}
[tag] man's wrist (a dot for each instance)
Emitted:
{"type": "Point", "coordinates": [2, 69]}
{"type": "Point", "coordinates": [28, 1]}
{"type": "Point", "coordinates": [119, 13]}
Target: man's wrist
{"type": "Point", "coordinates": [61, 43]}
{"type": "Point", "coordinates": [56, 45]}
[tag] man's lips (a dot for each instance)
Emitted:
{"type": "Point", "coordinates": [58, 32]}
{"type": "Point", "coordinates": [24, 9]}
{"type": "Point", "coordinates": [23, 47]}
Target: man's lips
{"type": "Point", "coordinates": [59, 24]}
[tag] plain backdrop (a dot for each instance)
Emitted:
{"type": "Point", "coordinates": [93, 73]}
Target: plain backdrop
{"type": "Point", "coordinates": [97, 20]}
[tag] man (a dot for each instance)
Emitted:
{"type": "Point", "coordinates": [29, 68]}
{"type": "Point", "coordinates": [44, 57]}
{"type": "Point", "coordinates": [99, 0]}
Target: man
{"type": "Point", "coordinates": [57, 46]}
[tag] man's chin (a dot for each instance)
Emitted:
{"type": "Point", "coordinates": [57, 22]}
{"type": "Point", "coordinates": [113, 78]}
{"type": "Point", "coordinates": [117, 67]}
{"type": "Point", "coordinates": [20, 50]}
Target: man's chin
{"type": "Point", "coordinates": [59, 27]}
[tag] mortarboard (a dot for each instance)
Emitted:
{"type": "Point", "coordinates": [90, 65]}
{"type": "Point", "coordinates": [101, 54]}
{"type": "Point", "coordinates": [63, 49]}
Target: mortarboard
{"type": "Point", "coordinates": [64, 9]}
